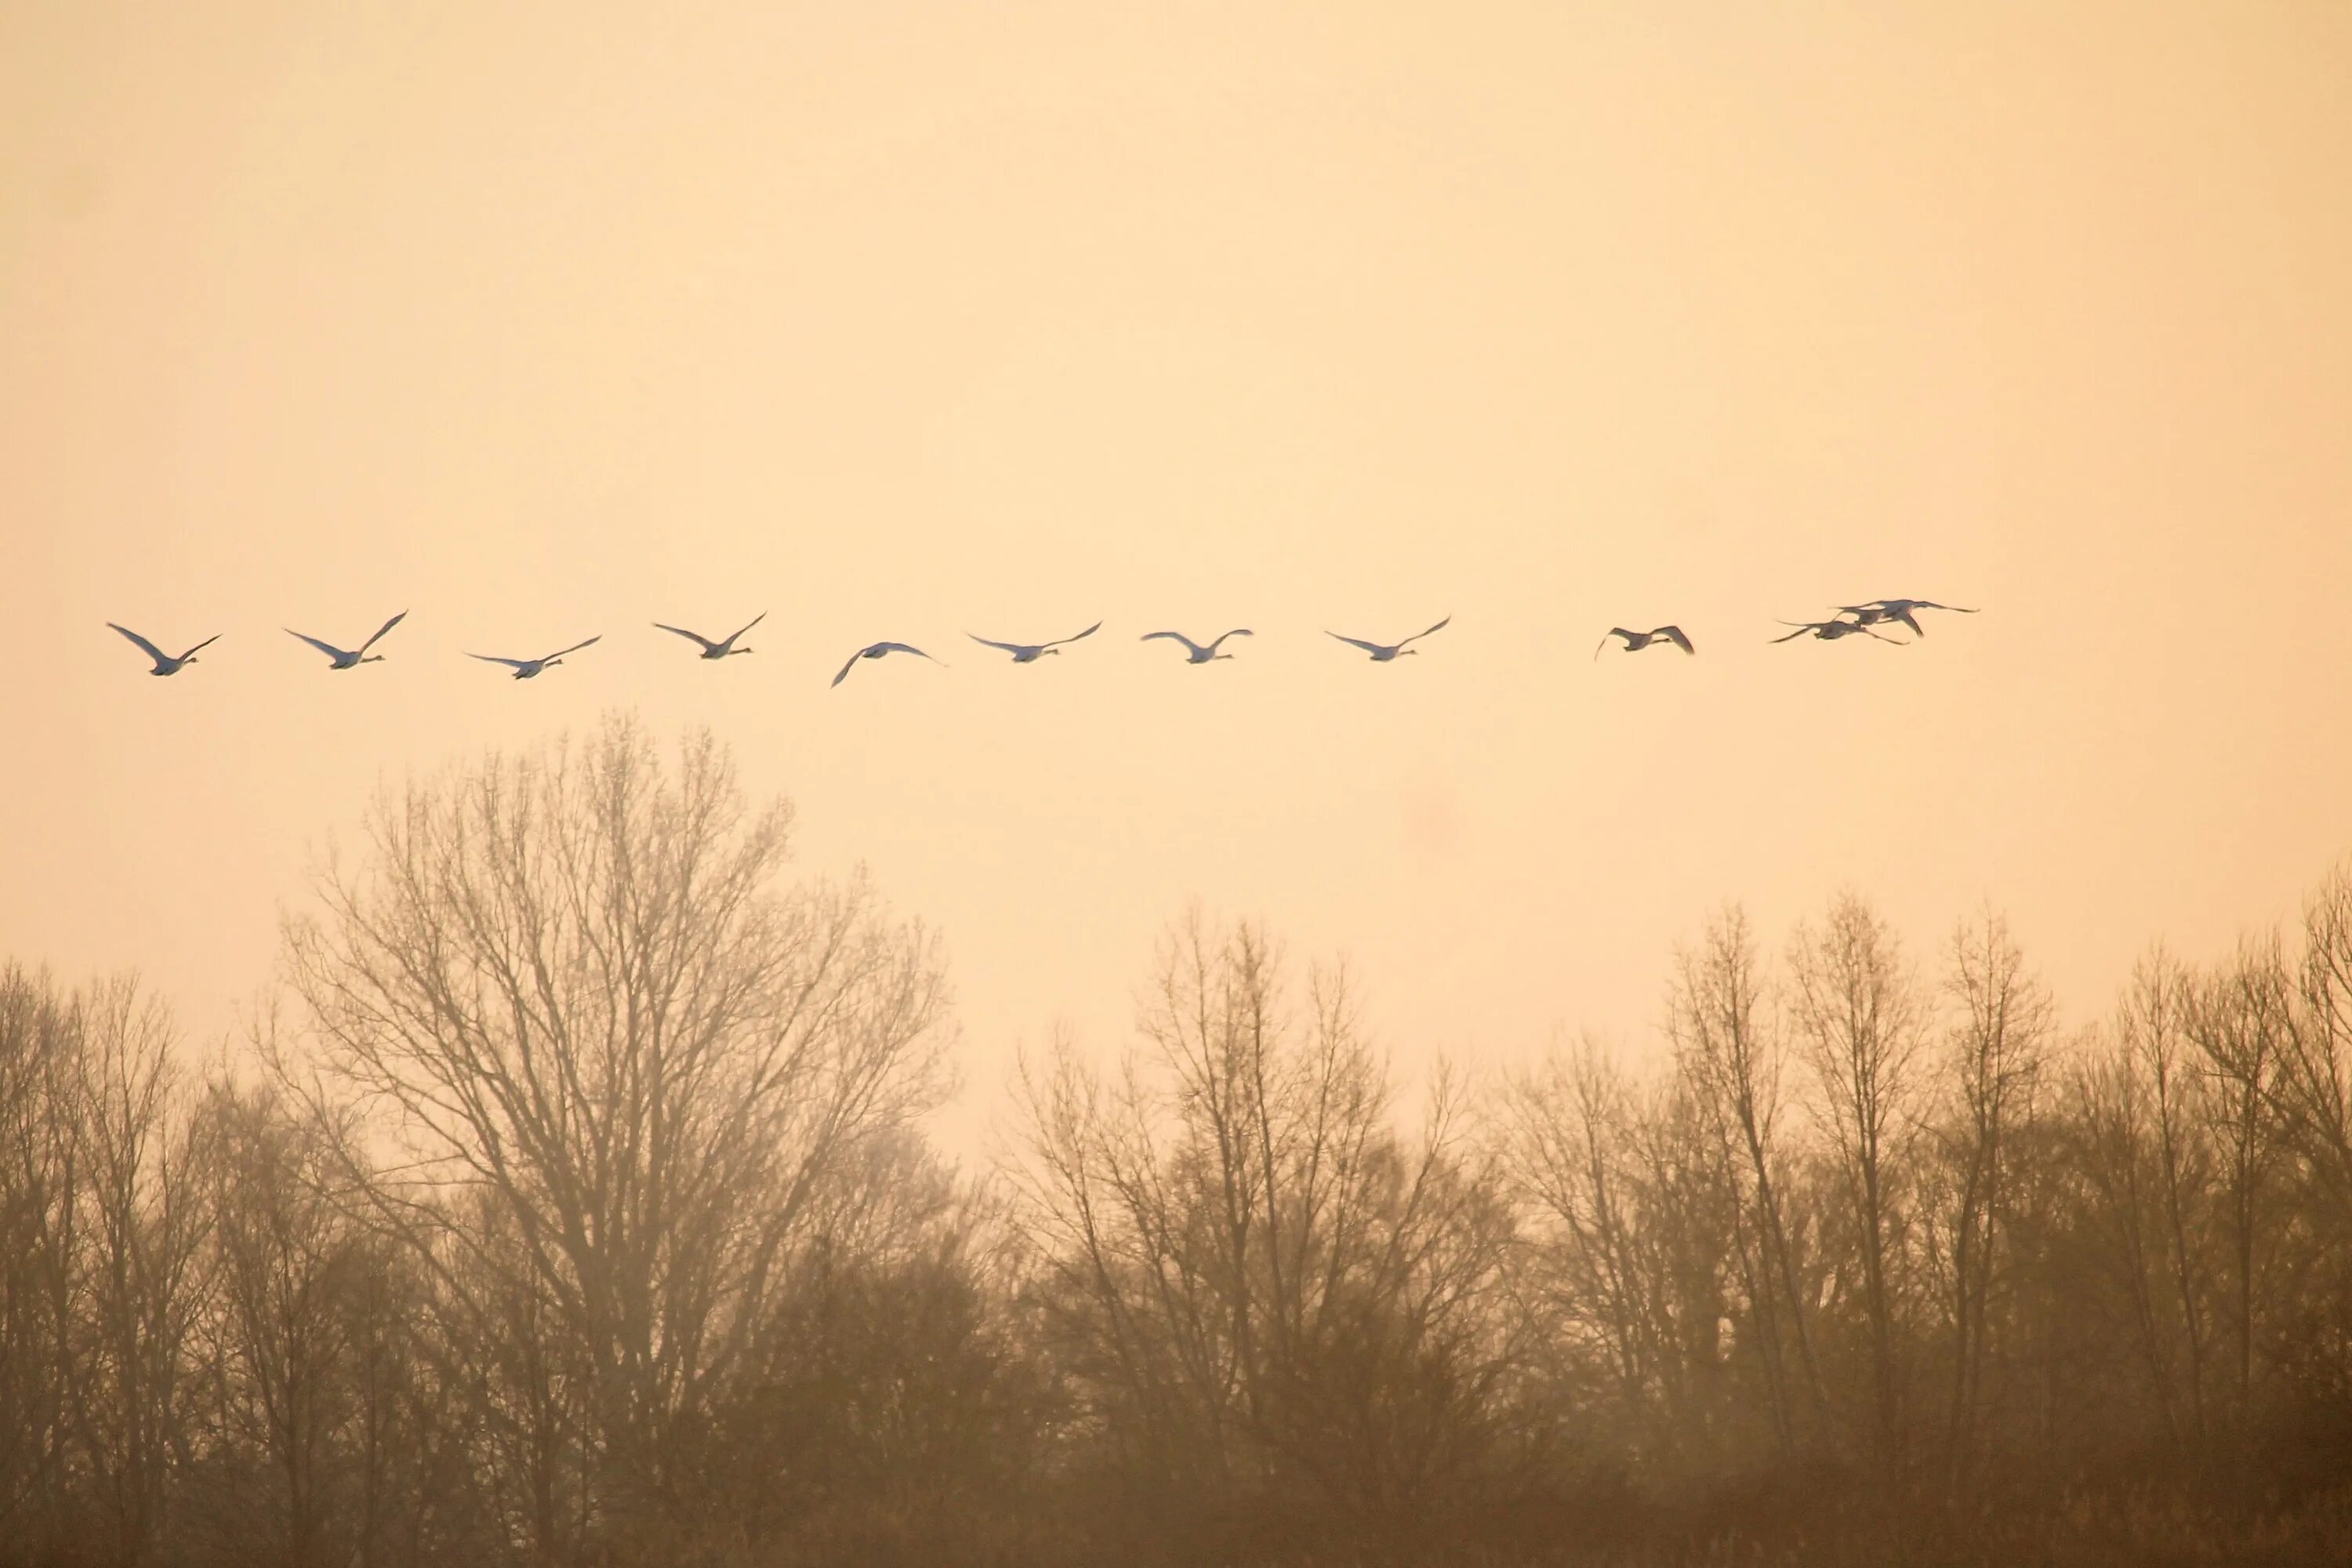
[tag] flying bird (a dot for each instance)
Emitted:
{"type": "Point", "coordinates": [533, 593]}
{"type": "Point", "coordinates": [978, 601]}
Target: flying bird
{"type": "Point", "coordinates": [524, 668]}
{"type": "Point", "coordinates": [164, 663]}
{"type": "Point", "coordinates": [716, 649]}
{"type": "Point", "coordinates": [1637, 641]}
{"type": "Point", "coordinates": [1383, 652]}
{"type": "Point", "coordinates": [1829, 631]}
{"type": "Point", "coordinates": [1879, 610]}
{"type": "Point", "coordinates": [349, 658]}
{"type": "Point", "coordinates": [1029, 653]}
{"type": "Point", "coordinates": [1194, 652]}
{"type": "Point", "coordinates": [875, 651]}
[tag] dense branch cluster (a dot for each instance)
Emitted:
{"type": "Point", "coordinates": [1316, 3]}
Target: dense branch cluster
{"type": "Point", "coordinates": [580, 1215]}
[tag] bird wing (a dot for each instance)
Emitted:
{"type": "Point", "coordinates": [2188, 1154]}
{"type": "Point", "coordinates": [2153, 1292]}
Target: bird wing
{"type": "Point", "coordinates": [1367, 647]}
{"type": "Point", "coordinates": [575, 647]}
{"type": "Point", "coordinates": [1675, 635]}
{"type": "Point", "coordinates": [1088, 633]}
{"type": "Point", "coordinates": [1180, 637]}
{"type": "Point", "coordinates": [1007, 647]}
{"type": "Point", "coordinates": [1612, 632]}
{"type": "Point", "coordinates": [200, 647]}
{"type": "Point", "coordinates": [1418, 635]}
{"type": "Point", "coordinates": [1801, 631]}
{"type": "Point", "coordinates": [1236, 632]}
{"type": "Point", "coordinates": [1880, 635]}
{"type": "Point", "coordinates": [910, 647]}
{"type": "Point", "coordinates": [509, 663]}
{"type": "Point", "coordinates": [379, 631]}
{"type": "Point", "coordinates": [707, 646]}
{"type": "Point", "coordinates": [754, 621]}
{"type": "Point", "coordinates": [1931, 604]}
{"type": "Point", "coordinates": [151, 650]}
{"type": "Point", "coordinates": [1907, 618]}
{"type": "Point", "coordinates": [850, 666]}
{"type": "Point", "coordinates": [330, 649]}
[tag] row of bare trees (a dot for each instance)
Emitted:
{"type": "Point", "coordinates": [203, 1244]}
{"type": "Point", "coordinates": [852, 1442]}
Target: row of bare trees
{"type": "Point", "coordinates": [577, 1214]}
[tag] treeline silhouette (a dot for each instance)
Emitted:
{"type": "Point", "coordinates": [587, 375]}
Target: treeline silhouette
{"type": "Point", "coordinates": [575, 1214]}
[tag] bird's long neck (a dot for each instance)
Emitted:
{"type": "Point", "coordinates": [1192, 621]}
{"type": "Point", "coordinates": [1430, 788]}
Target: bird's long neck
{"type": "Point", "coordinates": [733, 652]}
{"type": "Point", "coordinates": [370, 658]}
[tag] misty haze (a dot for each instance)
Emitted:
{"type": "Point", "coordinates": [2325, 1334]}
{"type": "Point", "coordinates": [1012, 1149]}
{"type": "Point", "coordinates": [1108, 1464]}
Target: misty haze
{"type": "Point", "coordinates": [1066, 784]}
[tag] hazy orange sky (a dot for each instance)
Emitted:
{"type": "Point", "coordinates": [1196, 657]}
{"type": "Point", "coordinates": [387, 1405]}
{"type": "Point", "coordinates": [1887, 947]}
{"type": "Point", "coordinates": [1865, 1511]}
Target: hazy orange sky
{"type": "Point", "coordinates": [892, 321]}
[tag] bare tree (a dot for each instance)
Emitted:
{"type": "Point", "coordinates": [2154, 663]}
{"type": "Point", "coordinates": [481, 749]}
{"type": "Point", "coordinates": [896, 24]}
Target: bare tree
{"type": "Point", "coordinates": [1729, 1052]}
{"type": "Point", "coordinates": [1266, 1289]}
{"type": "Point", "coordinates": [1996, 1056]}
{"type": "Point", "coordinates": [566, 986]}
{"type": "Point", "coordinates": [1857, 1013]}
{"type": "Point", "coordinates": [2241, 1018]}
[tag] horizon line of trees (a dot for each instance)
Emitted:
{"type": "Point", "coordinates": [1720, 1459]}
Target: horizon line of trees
{"type": "Point", "coordinates": [575, 1214]}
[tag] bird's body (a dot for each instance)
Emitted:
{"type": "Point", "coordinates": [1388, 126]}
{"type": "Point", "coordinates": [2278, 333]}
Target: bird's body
{"type": "Point", "coordinates": [876, 650]}
{"type": "Point", "coordinates": [1030, 653]}
{"type": "Point", "coordinates": [524, 668]}
{"type": "Point", "coordinates": [1196, 653]}
{"type": "Point", "coordinates": [716, 649]}
{"type": "Point", "coordinates": [1383, 652]}
{"type": "Point", "coordinates": [351, 658]}
{"type": "Point", "coordinates": [1879, 610]}
{"type": "Point", "coordinates": [164, 663]}
{"type": "Point", "coordinates": [1637, 641]}
{"type": "Point", "coordinates": [1829, 631]}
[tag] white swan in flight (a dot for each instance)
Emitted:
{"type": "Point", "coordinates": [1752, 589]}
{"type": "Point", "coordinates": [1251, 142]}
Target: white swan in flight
{"type": "Point", "coordinates": [1029, 653]}
{"type": "Point", "coordinates": [524, 668]}
{"type": "Point", "coordinates": [164, 663]}
{"type": "Point", "coordinates": [1829, 631]}
{"type": "Point", "coordinates": [1383, 652]}
{"type": "Point", "coordinates": [1897, 610]}
{"type": "Point", "coordinates": [875, 651]}
{"type": "Point", "coordinates": [716, 649]}
{"type": "Point", "coordinates": [1637, 641]}
{"type": "Point", "coordinates": [350, 658]}
{"type": "Point", "coordinates": [1194, 652]}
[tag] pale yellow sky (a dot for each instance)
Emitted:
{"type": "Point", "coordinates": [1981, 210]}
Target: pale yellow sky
{"type": "Point", "coordinates": [897, 321]}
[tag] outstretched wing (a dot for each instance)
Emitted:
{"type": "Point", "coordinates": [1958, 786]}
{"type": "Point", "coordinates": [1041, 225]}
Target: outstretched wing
{"type": "Point", "coordinates": [575, 647]}
{"type": "Point", "coordinates": [1007, 647]}
{"type": "Point", "coordinates": [1612, 632]}
{"type": "Point", "coordinates": [1236, 632]}
{"type": "Point", "coordinates": [707, 646]}
{"type": "Point", "coordinates": [1675, 635]}
{"type": "Point", "coordinates": [1180, 637]}
{"type": "Point", "coordinates": [1801, 631]}
{"type": "Point", "coordinates": [509, 663]}
{"type": "Point", "coordinates": [910, 647]}
{"type": "Point", "coordinates": [754, 621]}
{"type": "Point", "coordinates": [1438, 628]}
{"type": "Point", "coordinates": [148, 648]}
{"type": "Point", "coordinates": [330, 649]}
{"type": "Point", "coordinates": [850, 666]}
{"type": "Point", "coordinates": [1088, 633]}
{"type": "Point", "coordinates": [1909, 620]}
{"type": "Point", "coordinates": [1367, 647]}
{"type": "Point", "coordinates": [200, 647]}
{"type": "Point", "coordinates": [1931, 604]}
{"type": "Point", "coordinates": [379, 631]}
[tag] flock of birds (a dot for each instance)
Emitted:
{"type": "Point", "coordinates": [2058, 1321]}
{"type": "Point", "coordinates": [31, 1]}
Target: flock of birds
{"type": "Point", "coordinates": [1865, 620]}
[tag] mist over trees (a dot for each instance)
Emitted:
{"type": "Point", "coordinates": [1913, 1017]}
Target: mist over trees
{"type": "Point", "coordinates": [573, 1209]}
